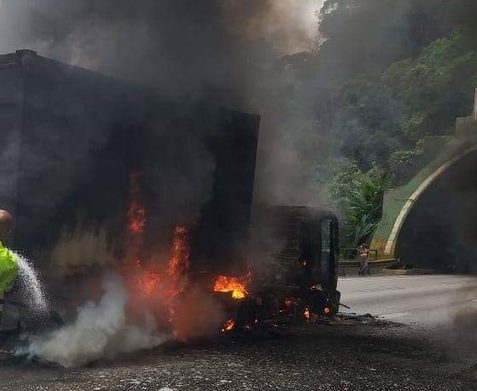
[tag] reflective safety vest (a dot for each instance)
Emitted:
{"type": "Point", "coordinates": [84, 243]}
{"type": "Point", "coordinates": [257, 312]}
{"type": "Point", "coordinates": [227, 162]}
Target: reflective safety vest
{"type": "Point", "coordinates": [8, 268]}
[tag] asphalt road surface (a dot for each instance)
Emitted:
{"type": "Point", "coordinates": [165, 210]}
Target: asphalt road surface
{"type": "Point", "coordinates": [432, 348]}
{"type": "Point", "coordinates": [430, 301]}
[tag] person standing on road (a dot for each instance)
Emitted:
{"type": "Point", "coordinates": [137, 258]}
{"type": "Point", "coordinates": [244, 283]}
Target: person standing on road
{"type": "Point", "coordinates": [363, 256]}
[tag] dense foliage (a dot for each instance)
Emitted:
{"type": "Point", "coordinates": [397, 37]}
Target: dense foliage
{"type": "Point", "coordinates": [358, 194]}
{"type": "Point", "coordinates": [385, 75]}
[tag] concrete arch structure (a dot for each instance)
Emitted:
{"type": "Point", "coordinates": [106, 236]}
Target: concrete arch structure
{"type": "Point", "coordinates": [441, 155]}
{"type": "Point", "coordinates": [421, 189]}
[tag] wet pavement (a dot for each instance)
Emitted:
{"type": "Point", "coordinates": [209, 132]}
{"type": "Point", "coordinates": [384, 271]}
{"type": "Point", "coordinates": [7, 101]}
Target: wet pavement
{"type": "Point", "coordinates": [428, 301]}
{"type": "Point", "coordinates": [422, 339]}
{"type": "Point", "coordinates": [349, 354]}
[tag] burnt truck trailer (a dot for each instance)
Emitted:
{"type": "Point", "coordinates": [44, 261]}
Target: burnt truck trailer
{"type": "Point", "coordinates": [72, 139]}
{"type": "Point", "coordinates": [83, 153]}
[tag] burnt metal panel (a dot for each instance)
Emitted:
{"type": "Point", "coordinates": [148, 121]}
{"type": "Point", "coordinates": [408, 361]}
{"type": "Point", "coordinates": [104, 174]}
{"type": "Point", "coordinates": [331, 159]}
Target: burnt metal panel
{"type": "Point", "coordinates": [83, 134]}
{"type": "Point", "coordinates": [292, 254]}
{"type": "Point", "coordinates": [11, 108]}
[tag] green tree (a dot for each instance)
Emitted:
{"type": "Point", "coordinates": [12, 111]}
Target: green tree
{"type": "Point", "coordinates": [435, 88]}
{"type": "Point", "coordinates": [387, 74]}
{"type": "Point", "coordinates": [358, 195]}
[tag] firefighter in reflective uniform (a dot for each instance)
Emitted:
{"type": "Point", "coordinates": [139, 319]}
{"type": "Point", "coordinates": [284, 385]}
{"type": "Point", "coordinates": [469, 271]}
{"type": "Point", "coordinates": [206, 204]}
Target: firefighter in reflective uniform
{"type": "Point", "coordinates": [8, 260]}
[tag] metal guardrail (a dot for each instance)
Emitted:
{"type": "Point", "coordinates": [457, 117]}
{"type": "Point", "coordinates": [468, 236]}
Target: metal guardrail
{"type": "Point", "coordinates": [351, 267]}
{"type": "Point", "coordinates": [372, 262]}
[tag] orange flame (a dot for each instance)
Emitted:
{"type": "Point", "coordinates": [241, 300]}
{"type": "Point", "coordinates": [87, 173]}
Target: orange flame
{"type": "Point", "coordinates": [237, 286]}
{"type": "Point", "coordinates": [136, 211]}
{"type": "Point", "coordinates": [180, 253]}
{"type": "Point", "coordinates": [228, 326]}
{"type": "Point", "coordinates": [136, 218]}
{"type": "Point", "coordinates": [148, 283]}
{"type": "Point", "coordinates": [136, 223]}
{"type": "Point", "coordinates": [157, 288]}
{"type": "Point", "coordinates": [164, 284]}
{"type": "Point", "coordinates": [178, 265]}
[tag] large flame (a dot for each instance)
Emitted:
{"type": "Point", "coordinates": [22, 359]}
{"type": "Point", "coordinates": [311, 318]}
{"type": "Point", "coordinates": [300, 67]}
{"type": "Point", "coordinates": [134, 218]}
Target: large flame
{"type": "Point", "coordinates": [161, 286]}
{"type": "Point", "coordinates": [166, 282]}
{"type": "Point", "coordinates": [178, 265]}
{"type": "Point", "coordinates": [157, 287]}
{"type": "Point", "coordinates": [238, 286]}
{"type": "Point", "coordinates": [153, 278]}
{"type": "Point", "coordinates": [180, 253]}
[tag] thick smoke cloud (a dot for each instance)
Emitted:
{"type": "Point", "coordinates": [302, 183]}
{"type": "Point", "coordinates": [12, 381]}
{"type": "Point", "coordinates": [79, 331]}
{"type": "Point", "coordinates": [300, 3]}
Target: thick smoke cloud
{"type": "Point", "coordinates": [183, 47]}
{"type": "Point", "coordinates": [177, 46]}
{"type": "Point", "coordinates": [221, 51]}
{"type": "Point", "coordinates": [226, 52]}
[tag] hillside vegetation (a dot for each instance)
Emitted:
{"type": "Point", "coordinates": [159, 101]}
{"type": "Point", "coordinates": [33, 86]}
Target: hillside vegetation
{"type": "Point", "coordinates": [385, 75]}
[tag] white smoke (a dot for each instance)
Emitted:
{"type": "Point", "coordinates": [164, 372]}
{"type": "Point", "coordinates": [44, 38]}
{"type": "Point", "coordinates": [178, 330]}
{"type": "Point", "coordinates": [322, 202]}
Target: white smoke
{"type": "Point", "coordinates": [100, 330]}
{"type": "Point", "coordinates": [290, 26]}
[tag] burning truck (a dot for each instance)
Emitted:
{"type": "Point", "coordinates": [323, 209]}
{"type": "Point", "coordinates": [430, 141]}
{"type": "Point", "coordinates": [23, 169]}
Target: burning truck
{"type": "Point", "coordinates": [103, 174]}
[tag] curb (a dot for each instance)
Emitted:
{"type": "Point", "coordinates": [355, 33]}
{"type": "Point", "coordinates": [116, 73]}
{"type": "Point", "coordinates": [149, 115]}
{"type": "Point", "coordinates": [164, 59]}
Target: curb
{"type": "Point", "coordinates": [409, 272]}
{"type": "Point", "coordinates": [374, 262]}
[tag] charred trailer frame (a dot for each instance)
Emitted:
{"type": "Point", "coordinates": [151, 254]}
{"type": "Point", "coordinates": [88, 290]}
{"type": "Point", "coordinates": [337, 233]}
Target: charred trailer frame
{"type": "Point", "coordinates": [300, 247]}
{"type": "Point", "coordinates": [294, 263]}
